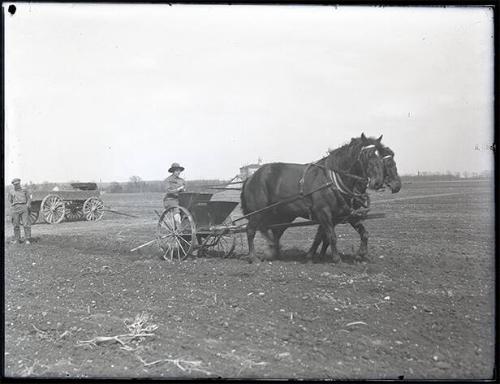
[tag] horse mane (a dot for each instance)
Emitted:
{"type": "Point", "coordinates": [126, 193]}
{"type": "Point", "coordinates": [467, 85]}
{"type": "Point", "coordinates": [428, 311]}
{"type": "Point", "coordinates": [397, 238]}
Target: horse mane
{"type": "Point", "coordinates": [346, 154]}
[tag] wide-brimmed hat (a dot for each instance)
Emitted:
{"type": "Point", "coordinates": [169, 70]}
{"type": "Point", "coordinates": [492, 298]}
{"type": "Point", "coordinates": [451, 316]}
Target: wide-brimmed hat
{"type": "Point", "coordinates": [16, 181]}
{"type": "Point", "coordinates": [175, 166]}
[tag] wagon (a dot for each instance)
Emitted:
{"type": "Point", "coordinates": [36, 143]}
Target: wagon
{"type": "Point", "coordinates": [207, 227]}
{"type": "Point", "coordinates": [83, 202]}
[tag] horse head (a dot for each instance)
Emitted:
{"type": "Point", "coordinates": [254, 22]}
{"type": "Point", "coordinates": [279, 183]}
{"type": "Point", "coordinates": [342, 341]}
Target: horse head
{"type": "Point", "coordinates": [359, 163]}
{"type": "Point", "coordinates": [370, 161]}
{"type": "Point", "coordinates": [391, 176]}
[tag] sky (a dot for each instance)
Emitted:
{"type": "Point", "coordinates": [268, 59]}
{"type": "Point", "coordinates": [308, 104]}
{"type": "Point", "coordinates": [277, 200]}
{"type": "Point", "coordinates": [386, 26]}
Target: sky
{"type": "Point", "coordinates": [106, 92]}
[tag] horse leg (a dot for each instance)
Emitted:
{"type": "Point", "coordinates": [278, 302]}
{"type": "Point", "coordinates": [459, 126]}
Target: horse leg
{"type": "Point", "coordinates": [251, 231]}
{"type": "Point", "coordinates": [270, 242]}
{"type": "Point", "coordinates": [333, 244]}
{"type": "Point", "coordinates": [277, 233]}
{"type": "Point", "coordinates": [329, 228]}
{"type": "Point", "coordinates": [318, 238]}
{"type": "Point", "coordinates": [363, 235]}
{"type": "Point", "coordinates": [324, 247]}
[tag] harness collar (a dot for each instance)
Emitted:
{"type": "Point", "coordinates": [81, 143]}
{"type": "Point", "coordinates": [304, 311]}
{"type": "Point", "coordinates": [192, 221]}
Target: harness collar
{"type": "Point", "coordinates": [334, 175]}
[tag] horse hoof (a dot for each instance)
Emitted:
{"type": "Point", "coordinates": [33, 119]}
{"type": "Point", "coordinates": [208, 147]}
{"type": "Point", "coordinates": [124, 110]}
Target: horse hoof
{"type": "Point", "coordinates": [336, 259]}
{"type": "Point", "coordinates": [249, 259]}
{"type": "Point", "coordinates": [308, 258]}
{"type": "Point", "coordinates": [361, 258]}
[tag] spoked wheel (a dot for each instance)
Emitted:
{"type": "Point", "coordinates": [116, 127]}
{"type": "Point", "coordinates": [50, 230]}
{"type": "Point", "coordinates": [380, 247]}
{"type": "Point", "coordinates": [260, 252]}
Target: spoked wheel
{"type": "Point", "coordinates": [53, 209]}
{"type": "Point", "coordinates": [224, 246]}
{"type": "Point", "coordinates": [93, 209]}
{"type": "Point", "coordinates": [221, 244]}
{"type": "Point", "coordinates": [74, 212]}
{"type": "Point", "coordinates": [176, 239]}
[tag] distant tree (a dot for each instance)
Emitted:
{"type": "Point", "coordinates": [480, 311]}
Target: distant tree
{"type": "Point", "coordinates": [135, 184]}
{"type": "Point", "coordinates": [487, 174]}
{"type": "Point", "coordinates": [115, 187]}
{"type": "Point", "coordinates": [155, 186]}
{"type": "Point", "coordinates": [46, 186]}
{"type": "Point", "coordinates": [31, 186]}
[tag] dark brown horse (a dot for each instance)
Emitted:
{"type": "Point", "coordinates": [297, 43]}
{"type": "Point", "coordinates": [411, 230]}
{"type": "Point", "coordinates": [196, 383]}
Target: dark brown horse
{"type": "Point", "coordinates": [356, 162]}
{"type": "Point", "coordinates": [391, 180]}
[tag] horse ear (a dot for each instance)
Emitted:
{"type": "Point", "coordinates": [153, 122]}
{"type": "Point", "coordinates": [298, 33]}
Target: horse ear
{"type": "Point", "coordinates": [380, 138]}
{"type": "Point", "coordinates": [363, 138]}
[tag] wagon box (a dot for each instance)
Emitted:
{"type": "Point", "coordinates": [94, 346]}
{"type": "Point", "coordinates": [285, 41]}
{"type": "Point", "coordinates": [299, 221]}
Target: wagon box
{"type": "Point", "coordinates": [55, 206]}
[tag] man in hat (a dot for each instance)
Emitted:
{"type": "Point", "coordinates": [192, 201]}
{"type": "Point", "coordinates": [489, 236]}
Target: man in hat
{"type": "Point", "coordinates": [175, 184]}
{"type": "Point", "coordinates": [20, 204]}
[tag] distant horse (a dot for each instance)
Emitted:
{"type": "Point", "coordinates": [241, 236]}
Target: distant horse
{"type": "Point", "coordinates": [391, 180]}
{"type": "Point", "coordinates": [358, 161]}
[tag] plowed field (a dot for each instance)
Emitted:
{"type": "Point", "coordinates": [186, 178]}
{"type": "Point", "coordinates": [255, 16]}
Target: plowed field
{"type": "Point", "coordinates": [424, 308]}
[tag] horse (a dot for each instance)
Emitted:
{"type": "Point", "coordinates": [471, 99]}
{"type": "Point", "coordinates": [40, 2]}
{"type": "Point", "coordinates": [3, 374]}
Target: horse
{"type": "Point", "coordinates": [357, 161]}
{"type": "Point", "coordinates": [391, 180]}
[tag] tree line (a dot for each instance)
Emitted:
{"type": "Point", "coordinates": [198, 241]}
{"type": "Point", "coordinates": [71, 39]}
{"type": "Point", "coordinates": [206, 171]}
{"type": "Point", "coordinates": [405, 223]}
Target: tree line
{"type": "Point", "coordinates": [135, 184]}
{"type": "Point", "coordinates": [447, 176]}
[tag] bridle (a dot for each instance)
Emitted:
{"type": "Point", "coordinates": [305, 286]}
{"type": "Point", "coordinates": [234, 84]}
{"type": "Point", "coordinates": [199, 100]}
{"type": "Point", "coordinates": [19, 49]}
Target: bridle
{"type": "Point", "coordinates": [384, 158]}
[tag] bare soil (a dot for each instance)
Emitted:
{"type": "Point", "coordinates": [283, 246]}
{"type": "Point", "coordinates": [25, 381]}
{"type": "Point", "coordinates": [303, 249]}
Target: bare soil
{"type": "Point", "coordinates": [424, 308]}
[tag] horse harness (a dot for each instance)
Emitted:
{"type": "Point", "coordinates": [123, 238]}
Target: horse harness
{"type": "Point", "coordinates": [337, 182]}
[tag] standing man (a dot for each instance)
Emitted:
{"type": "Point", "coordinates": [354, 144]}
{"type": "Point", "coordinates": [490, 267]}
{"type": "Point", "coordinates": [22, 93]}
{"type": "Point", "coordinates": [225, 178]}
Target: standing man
{"type": "Point", "coordinates": [175, 184]}
{"type": "Point", "coordinates": [20, 204]}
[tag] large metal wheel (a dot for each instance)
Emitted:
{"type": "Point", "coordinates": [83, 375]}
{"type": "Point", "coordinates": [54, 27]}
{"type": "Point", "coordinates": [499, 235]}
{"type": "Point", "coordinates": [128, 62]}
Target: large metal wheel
{"type": "Point", "coordinates": [220, 244]}
{"type": "Point", "coordinates": [53, 209]}
{"type": "Point", "coordinates": [176, 240]}
{"type": "Point", "coordinates": [93, 209]}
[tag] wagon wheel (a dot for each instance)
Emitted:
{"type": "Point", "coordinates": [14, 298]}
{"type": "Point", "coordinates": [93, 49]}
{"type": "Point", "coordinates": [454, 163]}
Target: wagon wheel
{"type": "Point", "coordinates": [222, 244]}
{"type": "Point", "coordinates": [176, 240]}
{"type": "Point", "coordinates": [53, 209]}
{"type": "Point", "coordinates": [74, 212]}
{"type": "Point", "coordinates": [202, 244]}
{"type": "Point", "coordinates": [33, 216]}
{"type": "Point", "coordinates": [93, 209]}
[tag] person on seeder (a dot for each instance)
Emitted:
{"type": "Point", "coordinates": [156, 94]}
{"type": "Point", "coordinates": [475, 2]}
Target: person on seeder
{"type": "Point", "coordinates": [174, 185]}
